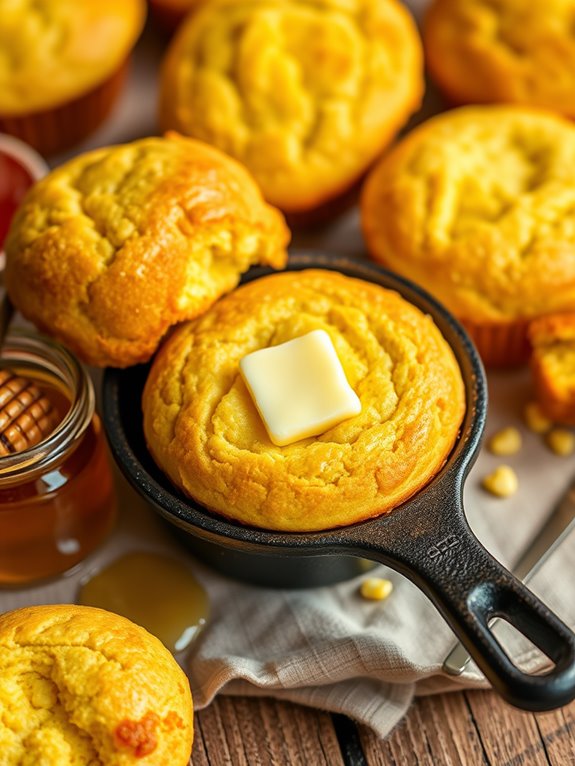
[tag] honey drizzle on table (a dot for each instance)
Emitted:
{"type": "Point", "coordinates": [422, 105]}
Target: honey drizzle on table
{"type": "Point", "coordinates": [152, 590]}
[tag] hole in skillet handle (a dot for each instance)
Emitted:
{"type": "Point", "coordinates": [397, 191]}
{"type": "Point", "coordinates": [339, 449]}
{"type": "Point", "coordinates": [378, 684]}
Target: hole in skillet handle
{"type": "Point", "coordinates": [427, 539]}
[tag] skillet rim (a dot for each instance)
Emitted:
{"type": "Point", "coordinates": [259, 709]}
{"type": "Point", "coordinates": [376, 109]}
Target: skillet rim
{"type": "Point", "coordinates": [193, 518]}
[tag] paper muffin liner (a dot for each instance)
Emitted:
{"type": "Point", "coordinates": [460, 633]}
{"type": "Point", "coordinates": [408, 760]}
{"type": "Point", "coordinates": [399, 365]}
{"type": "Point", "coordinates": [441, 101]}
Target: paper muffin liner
{"type": "Point", "coordinates": [55, 130]}
{"type": "Point", "coordinates": [500, 345]}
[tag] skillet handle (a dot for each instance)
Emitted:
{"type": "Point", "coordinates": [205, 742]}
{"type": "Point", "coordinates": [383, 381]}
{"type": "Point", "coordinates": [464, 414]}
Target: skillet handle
{"type": "Point", "coordinates": [470, 588]}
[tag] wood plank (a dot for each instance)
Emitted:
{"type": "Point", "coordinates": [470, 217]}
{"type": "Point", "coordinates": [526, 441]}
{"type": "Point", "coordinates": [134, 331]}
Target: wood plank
{"type": "Point", "coordinates": [458, 729]}
{"type": "Point", "coordinates": [557, 729]}
{"type": "Point", "coordinates": [244, 731]}
{"type": "Point", "coordinates": [509, 736]}
{"type": "Point", "coordinates": [437, 730]}
{"type": "Point", "coordinates": [216, 737]}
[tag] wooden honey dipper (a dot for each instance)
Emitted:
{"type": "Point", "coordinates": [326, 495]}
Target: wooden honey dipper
{"type": "Point", "coordinates": [26, 414]}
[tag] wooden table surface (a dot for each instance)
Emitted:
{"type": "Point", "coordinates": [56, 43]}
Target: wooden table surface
{"type": "Point", "coordinates": [472, 728]}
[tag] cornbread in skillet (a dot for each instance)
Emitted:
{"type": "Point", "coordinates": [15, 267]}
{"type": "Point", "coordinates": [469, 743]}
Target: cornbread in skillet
{"type": "Point", "coordinates": [204, 431]}
{"type": "Point", "coordinates": [83, 686]}
{"type": "Point", "coordinates": [61, 65]}
{"type": "Point", "coordinates": [553, 365]}
{"type": "Point", "coordinates": [112, 248]}
{"type": "Point", "coordinates": [306, 93]}
{"type": "Point", "coordinates": [508, 51]}
{"type": "Point", "coordinates": [478, 206]}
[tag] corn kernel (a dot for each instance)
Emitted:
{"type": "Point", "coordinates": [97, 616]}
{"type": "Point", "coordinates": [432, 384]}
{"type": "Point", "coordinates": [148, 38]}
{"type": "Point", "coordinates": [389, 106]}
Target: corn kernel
{"type": "Point", "coordinates": [535, 419]}
{"type": "Point", "coordinates": [505, 442]}
{"type": "Point", "coordinates": [502, 482]}
{"type": "Point", "coordinates": [561, 441]}
{"type": "Point", "coordinates": [376, 588]}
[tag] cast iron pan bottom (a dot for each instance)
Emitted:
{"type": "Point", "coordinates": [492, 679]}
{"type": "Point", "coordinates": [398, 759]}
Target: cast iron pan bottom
{"type": "Point", "coordinates": [273, 570]}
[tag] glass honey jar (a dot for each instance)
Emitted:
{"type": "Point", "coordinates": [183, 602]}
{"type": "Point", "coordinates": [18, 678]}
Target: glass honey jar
{"type": "Point", "coordinates": [57, 499]}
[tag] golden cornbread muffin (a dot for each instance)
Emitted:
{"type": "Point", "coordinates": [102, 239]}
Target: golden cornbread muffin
{"type": "Point", "coordinates": [82, 687]}
{"type": "Point", "coordinates": [62, 63]}
{"type": "Point", "coordinates": [306, 93]}
{"type": "Point", "coordinates": [112, 248]}
{"type": "Point", "coordinates": [203, 429]}
{"type": "Point", "coordinates": [509, 51]}
{"type": "Point", "coordinates": [478, 206]}
{"type": "Point", "coordinates": [553, 365]}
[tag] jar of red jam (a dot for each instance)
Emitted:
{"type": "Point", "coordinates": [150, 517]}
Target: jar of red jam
{"type": "Point", "coordinates": [20, 167]}
{"type": "Point", "coordinates": [57, 499]}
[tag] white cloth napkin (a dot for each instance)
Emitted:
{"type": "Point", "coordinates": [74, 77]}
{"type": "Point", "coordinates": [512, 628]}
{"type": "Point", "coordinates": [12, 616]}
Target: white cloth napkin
{"type": "Point", "coordinates": [327, 647]}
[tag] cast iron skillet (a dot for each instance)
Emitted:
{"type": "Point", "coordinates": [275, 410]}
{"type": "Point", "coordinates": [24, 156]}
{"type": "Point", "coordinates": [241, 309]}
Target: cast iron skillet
{"type": "Point", "coordinates": [427, 539]}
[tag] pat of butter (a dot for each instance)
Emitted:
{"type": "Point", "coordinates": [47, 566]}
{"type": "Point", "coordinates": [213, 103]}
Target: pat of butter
{"type": "Point", "coordinates": [299, 387]}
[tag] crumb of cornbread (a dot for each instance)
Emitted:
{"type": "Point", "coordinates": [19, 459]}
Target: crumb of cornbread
{"type": "Point", "coordinates": [204, 431]}
{"type": "Point", "coordinates": [111, 249]}
{"type": "Point", "coordinates": [535, 418]}
{"type": "Point", "coordinates": [376, 588]}
{"type": "Point", "coordinates": [561, 441]}
{"type": "Point", "coordinates": [305, 94]}
{"type": "Point", "coordinates": [81, 686]}
{"type": "Point", "coordinates": [507, 441]}
{"type": "Point", "coordinates": [478, 205]}
{"type": "Point", "coordinates": [509, 51]}
{"type": "Point", "coordinates": [503, 482]}
{"type": "Point", "coordinates": [53, 52]}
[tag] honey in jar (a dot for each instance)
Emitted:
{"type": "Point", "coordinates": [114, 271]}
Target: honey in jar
{"type": "Point", "coordinates": [57, 500]}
